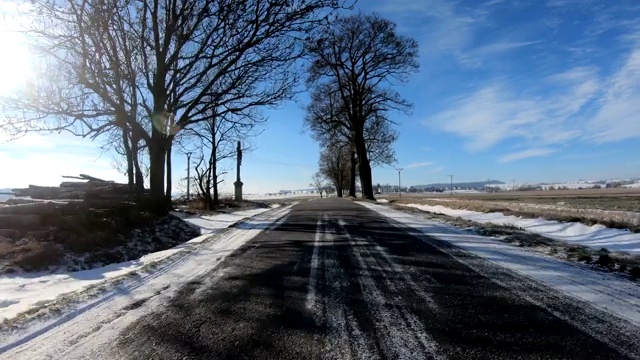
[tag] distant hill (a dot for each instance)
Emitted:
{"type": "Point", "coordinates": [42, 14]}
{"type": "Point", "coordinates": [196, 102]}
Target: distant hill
{"type": "Point", "coordinates": [463, 185]}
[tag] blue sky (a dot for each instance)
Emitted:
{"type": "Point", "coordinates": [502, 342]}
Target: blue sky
{"type": "Point", "coordinates": [525, 90]}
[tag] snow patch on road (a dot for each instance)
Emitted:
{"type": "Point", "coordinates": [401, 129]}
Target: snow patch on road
{"type": "Point", "coordinates": [24, 292]}
{"type": "Point", "coordinates": [612, 294]}
{"type": "Point", "coordinates": [313, 275]}
{"type": "Point", "coordinates": [596, 236]}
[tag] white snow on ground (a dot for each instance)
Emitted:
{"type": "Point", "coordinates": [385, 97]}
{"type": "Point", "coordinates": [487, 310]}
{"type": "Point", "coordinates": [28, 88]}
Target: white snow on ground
{"type": "Point", "coordinates": [606, 292]}
{"type": "Point", "coordinates": [596, 236]}
{"type": "Point", "coordinates": [382, 201]}
{"type": "Point", "coordinates": [211, 223]}
{"type": "Point", "coordinates": [88, 330]}
{"type": "Point", "coordinates": [19, 293]}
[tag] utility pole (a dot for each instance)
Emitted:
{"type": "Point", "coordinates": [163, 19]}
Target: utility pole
{"type": "Point", "coordinates": [451, 188]}
{"type": "Point", "coordinates": [189, 175]}
{"type": "Point", "coordinates": [399, 184]}
{"type": "Point", "coordinates": [513, 185]}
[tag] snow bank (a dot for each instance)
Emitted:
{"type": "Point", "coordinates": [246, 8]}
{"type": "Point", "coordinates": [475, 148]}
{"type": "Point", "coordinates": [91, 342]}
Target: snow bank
{"type": "Point", "coordinates": [19, 293]}
{"type": "Point", "coordinates": [596, 236]}
{"type": "Point", "coordinates": [606, 292]}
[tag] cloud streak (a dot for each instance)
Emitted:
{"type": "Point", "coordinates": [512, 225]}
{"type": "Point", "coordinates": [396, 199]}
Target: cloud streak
{"type": "Point", "coordinates": [419, 165]}
{"type": "Point", "coordinates": [496, 112]}
{"type": "Point", "coordinates": [526, 154]}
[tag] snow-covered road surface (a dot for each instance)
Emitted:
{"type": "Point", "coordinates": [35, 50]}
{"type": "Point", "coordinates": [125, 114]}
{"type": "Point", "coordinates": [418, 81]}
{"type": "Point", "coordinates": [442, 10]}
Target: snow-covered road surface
{"type": "Point", "coordinates": [332, 279]}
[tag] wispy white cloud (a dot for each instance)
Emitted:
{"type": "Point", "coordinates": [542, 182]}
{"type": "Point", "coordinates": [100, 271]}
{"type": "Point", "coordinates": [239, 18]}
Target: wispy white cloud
{"type": "Point", "coordinates": [418, 165]}
{"type": "Point", "coordinates": [496, 112]}
{"type": "Point", "coordinates": [618, 116]}
{"type": "Point", "coordinates": [526, 154]}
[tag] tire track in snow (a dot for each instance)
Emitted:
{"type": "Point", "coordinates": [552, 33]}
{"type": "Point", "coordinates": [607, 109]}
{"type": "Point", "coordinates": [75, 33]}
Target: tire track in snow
{"type": "Point", "coordinates": [342, 327]}
{"type": "Point", "coordinates": [400, 332]}
{"type": "Point", "coordinates": [345, 339]}
{"type": "Point", "coordinates": [312, 302]}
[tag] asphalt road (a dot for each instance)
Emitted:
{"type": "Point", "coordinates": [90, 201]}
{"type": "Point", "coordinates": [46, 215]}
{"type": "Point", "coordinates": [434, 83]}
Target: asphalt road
{"type": "Point", "coordinates": [337, 281]}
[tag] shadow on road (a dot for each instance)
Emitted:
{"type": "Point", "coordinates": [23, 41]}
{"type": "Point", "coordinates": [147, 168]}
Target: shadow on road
{"type": "Point", "coordinates": [371, 282]}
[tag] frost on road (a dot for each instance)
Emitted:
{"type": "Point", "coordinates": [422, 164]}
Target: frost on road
{"type": "Point", "coordinates": [332, 279]}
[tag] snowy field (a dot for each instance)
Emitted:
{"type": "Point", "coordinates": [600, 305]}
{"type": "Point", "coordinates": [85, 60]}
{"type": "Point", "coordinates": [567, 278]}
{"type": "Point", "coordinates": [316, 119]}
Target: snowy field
{"type": "Point", "coordinates": [614, 295]}
{"type": "Point", "coordinates": [596, 236]}
{"type": "Point", "coordinates": [20, 293]}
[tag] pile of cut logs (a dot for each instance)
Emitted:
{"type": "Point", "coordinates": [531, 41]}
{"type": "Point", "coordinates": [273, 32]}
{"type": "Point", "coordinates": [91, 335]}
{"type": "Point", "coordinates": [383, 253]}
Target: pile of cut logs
{"type": "Point", "coordinates": [90, 188]}
{"type": "Point", "coordinates": [37, 208]}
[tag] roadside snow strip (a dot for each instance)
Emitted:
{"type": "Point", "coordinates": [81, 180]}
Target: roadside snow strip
{"type": "Point", "coordinates": [596, 236]}
{"type": "Point", "coordinates": [91, 327]}
{"type": "Point", "coordinates": [613, 295]}
{"type": "Point", "coordinates": [20, 293]}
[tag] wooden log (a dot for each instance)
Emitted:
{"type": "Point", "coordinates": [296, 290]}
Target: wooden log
{"type": "Point", "coordinates": [91, 178]}
{"type": "Point", "coordinates": [72, 177]}
{"type": "Point", "coordinates": [39, 208]}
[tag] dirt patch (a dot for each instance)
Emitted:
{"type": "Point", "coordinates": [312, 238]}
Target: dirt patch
{"type": "Point", "coordinates": [89, 238]}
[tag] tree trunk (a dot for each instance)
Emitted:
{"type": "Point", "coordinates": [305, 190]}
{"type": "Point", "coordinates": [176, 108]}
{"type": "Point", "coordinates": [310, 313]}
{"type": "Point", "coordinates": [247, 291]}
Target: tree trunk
{"type": "Point", "coordinates": [139, 176]}
{"type": "Point", "coordinates": [339, 172]}
{"type": "Point", "coordinates": [352, 175]}
{"type": "Point", "coordinates": [156, 170]}
{"type": "Point", "coordinates": [364, 166]}
{"type": "Point", "coordinates": [168, 171]}
{"type": "Point", "coordinates": [129, 156]}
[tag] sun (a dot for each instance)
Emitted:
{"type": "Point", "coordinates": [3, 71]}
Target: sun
{"type": "Point", "coordinates": [15, 61]}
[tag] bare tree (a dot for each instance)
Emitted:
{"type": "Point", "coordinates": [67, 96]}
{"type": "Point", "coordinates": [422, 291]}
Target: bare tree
{"type": "Point", "coordinates": [335, 165]}
{"type": "Point", "coordinates": [329, 124]}
{"type": "Point", "coordinates": [216, 141]}
{"type": "Point", "coordinates": [361, 54]}
{"type": "Point", "coordinates": [86, 77]}
{"type": "Point", "coordinates": [318, 182]}
{"type": "Point", "coordinates": [152, 68]}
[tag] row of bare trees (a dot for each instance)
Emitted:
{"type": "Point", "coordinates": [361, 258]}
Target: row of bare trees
{"type": "Point", "coordinates": [354, 61]}
{"type": "Point", "coordinates": [144, 75]}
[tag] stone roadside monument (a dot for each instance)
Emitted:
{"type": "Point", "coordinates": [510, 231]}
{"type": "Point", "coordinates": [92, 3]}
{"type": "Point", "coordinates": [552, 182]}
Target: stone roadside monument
{"type": "Point", "coordinates": [238, 183]}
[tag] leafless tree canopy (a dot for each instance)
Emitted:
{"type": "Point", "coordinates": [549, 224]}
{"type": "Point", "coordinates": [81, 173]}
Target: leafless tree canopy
{"type": "Point", "coordinates": [148, 69]}
{"type": "Point", "coordinates": [357, 58]}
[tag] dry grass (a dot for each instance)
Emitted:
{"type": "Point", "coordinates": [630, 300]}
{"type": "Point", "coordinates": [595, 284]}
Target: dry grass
{"type": "Point", "coordinates": [85, 232]}
{"type": "Point", "coordinates": [30, 254]}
